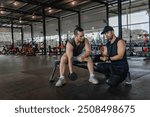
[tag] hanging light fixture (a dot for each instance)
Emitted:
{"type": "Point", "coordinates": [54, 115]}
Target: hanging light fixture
{"type": "Point", "coordinates": [1, 9]}
{"type": "Point", "coordinates": [16, 3]}
{"type": "Point", "coordinates": [49, 9]}
{"type": "Point", "coordinates": [33, 16]}
{"type": "Point", "coordinates": [20, 20]}
{"type": "Point", "coordinates": [73, 2]}
{"type": "Point", "coordinates": [1, 12]}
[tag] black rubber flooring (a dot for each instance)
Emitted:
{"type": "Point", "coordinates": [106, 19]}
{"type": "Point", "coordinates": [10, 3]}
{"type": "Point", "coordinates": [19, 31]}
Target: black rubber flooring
{"type": "Point", "coordinates": [26, 78]}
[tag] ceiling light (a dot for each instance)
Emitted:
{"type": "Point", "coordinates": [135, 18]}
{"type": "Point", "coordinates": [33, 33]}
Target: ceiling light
{"type": "Point", "coordinates": [15, 3]}
{"type": "Point", "coordinates": [20, 21]}
{"type": "Point", "coordinates": [1, 12]}
{"type": "Point", "coordinates": [33, 16]}
{"type": "Point", "coordinates": [73, 2]}
{"type": "Point", "coordinates": [49, 9]}
{"type": "Point", "coordinates": [1, 9]}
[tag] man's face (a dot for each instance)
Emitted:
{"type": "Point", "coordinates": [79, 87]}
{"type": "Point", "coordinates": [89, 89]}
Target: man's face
{"type": "Point", "coordinates": [109, 35]}
{"type": "Point", "coordinates": [80, 36]}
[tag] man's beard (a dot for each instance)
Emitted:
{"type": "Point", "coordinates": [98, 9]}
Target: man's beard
{"type": "Point", "coordinates": [110, 38]}
{"type": "Point", "coordinates": [82, 40]}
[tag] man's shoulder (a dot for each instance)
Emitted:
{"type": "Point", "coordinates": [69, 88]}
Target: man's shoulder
{"type": "Point", "coordinates": [120, 39]}
{"type": "Point", "coordinates": [86, 40]}
{"type": "Point", "coordinates": [121, 42]}
{"type": "Point", "coordinates": [71, 39]}
{"type": "Point", "coordinates": [70, 43]}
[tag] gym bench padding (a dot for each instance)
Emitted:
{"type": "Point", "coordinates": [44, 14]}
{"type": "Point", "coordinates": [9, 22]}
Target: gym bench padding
{"type": "Point", "coordinates": [75, 63]}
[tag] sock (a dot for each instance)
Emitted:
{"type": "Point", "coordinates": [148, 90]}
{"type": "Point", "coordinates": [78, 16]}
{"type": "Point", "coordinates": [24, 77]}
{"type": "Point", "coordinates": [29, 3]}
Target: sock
{"type": "Point", "coordinates": [91, 75]}
{"type": "Point", "coordinates": [61, 77]}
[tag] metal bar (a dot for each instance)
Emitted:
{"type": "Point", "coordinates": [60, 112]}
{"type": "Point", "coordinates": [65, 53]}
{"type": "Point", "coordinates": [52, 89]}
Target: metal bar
{"type": "Point", "coordinates": [107, 14]}
{"type": "Point", "coordinates": [9, 27]}
{"type": "Point", "coordinates": [44, 31]}
{"type": "Point", "coordinates": [130, 38]}
{"type": "Point", "coordinates": [13, 18]}
{"type": "Point", "coordinates": [12, 33]}
{"type": "Point", "coordinates": [79, 19]}
{"type": "Point", "coordinates": [149, 16]}
{"type": "Point", "coordinates": [22, 37]}
{"type": "Point", "coordinates": [120, 18]}
{"type": "Point", "coordinates": [45, 5]}
{"type": "Point", "coordinates": [31, 32]}
{"type": "Point", "coordinates": [99, 1]}
{"type": "Point", "coordinates": [59, 33]}
{"type": "Point", "coordinates": [115, 2]}
{"type": "Point", "coordinates": [8, 22]}
{"type": "Point", "coordinates": [56, 63]}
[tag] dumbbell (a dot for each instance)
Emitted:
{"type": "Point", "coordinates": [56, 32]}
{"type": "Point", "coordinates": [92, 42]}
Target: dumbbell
{"type": "Point", "coordinates": [73, 76]}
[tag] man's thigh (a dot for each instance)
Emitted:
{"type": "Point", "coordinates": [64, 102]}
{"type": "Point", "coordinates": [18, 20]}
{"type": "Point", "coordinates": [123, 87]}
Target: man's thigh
{"type": "Point", "coordinates": [104, 68]}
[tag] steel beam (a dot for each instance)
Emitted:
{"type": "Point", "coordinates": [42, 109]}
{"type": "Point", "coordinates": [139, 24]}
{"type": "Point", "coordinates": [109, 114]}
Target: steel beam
{"type": "Point", "coordinates": [12, 33]}
{"type": "Point", "coordinates": [120, 18]}
{"type": "Point", "coordinates": [45, 5]}
{"type": "Point", "coordinates": [44, 31]}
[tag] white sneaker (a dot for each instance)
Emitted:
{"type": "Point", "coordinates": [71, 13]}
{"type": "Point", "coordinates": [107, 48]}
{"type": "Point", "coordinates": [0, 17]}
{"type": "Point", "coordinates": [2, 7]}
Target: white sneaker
{"type": "Point", "coordinates": [60, 82]}
{"type": "Point", "coordinates": [93, 80]}
{"type": "Point", "coordinates": [128, 80]}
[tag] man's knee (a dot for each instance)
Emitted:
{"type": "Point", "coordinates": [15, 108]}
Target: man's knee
{"type": "Point", "coordinates": [64, 59]}
{"type": "Point", "coordinates": [113, 80]}
{"type": "Point", "coordinates": [89, 59]}
{"type": "Point", "coordinates": [103, 67]}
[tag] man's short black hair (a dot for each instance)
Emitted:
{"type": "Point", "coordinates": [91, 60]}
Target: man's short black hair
{"type": "Point", "coordinates": [78, 29]}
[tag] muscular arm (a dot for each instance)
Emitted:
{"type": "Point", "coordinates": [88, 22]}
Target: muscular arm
{"type": "Point", "coordinates": [121, 51]}
{"type": "Point", "coordinates": [104, 54]}
{"type": "Point", "coordinates": [87, 49]}
{"type": "Point", "coordinates": [69, 52]}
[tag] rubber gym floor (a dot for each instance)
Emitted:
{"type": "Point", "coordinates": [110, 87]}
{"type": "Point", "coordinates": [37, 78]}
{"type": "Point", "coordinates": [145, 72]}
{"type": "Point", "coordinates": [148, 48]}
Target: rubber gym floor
{"type": "Point", "coordinates": [26, 78]}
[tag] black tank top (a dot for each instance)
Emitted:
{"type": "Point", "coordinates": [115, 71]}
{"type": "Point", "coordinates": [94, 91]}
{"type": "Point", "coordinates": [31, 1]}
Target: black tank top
{"type": "Point", "coordinates": [77, 49]}
{"type": "Point", "coordinates": [113, 50]}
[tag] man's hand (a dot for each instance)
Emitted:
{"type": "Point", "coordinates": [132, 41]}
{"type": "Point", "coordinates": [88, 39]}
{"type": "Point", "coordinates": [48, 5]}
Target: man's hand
{"type": "Point", "coordinates": [104, 58]}
{"type": "Point", "coordinates": [81, 58]}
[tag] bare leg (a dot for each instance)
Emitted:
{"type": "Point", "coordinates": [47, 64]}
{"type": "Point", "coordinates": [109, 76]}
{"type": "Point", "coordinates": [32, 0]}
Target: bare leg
{"type": "Point", "coordinates": [91, 70]}
{"type": "Point", "coordinates": [63, 63]}
{"type": "Point", "coordinates": [90, 64]}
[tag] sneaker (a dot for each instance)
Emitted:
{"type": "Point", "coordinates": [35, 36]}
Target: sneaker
{"type": "Point", "coordinates": [128, 79]}
{"type": "Point", "coordinates": [107, 80]}
{"type": "Point", "coordinates": [93, 80]}
{"type": "Point", "coordinates": [60, 82]}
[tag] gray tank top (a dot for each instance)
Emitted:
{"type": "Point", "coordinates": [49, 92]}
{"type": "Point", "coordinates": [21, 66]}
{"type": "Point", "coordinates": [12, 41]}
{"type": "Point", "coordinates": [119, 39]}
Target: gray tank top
{"type": "Point", "coordinates": [77, 49]}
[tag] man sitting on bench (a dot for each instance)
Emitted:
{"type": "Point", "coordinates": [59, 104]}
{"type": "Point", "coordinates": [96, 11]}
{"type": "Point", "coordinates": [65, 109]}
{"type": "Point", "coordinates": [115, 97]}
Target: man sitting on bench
{"type": "Point", "coordinates": [115, 52]}
{"type": "Point", "coordinates": [74, 49]}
